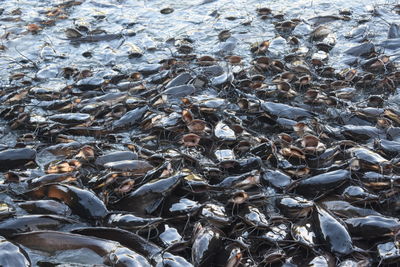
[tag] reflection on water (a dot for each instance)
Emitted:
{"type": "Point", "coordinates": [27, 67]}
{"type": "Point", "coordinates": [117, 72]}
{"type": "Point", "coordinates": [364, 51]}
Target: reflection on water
{"type": "Point", "coordinates": [154, 35]}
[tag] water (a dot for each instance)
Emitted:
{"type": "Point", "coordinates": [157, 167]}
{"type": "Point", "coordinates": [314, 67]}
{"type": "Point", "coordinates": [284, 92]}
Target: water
{"type": "Point", "coordinates": [45, 54]}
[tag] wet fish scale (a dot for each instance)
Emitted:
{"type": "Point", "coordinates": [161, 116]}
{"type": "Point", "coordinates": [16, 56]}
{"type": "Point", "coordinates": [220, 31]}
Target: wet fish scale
{"type": "Point", "coordinates": [375, 226]}
{"type": "Point", "coordinates": [285, 111]}
{"type": "Point", "coordinates": [81, 202]}
{"type": "Point", "coordinates": [321, 183]}
{"type": "Point", "coordinates": [332, 233]}
{"type": "Point", "coordinates": [146, 199]}
{"type": "Point", "coordinates": [13, 158]}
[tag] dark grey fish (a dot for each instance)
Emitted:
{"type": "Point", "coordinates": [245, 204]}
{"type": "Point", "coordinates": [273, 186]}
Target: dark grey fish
{"type": "Point", "coordinates": [331, 232]}
{"type": "Point", "coordinates": [361, 50]}
{"type": "Point", "coordinates": [391, 44]}
{"type": "Point", "coordinates": [180, 90]}
{"type": "Point", "coordinates": [394, 31]}
{"type": "Point", "coordinates": [130, 118]}
{"type": "Point", "coordinates": [96, 38]}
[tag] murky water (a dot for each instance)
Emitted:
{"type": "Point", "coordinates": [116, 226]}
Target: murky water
{"type": "Point", "coordinates": [155, 36]}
